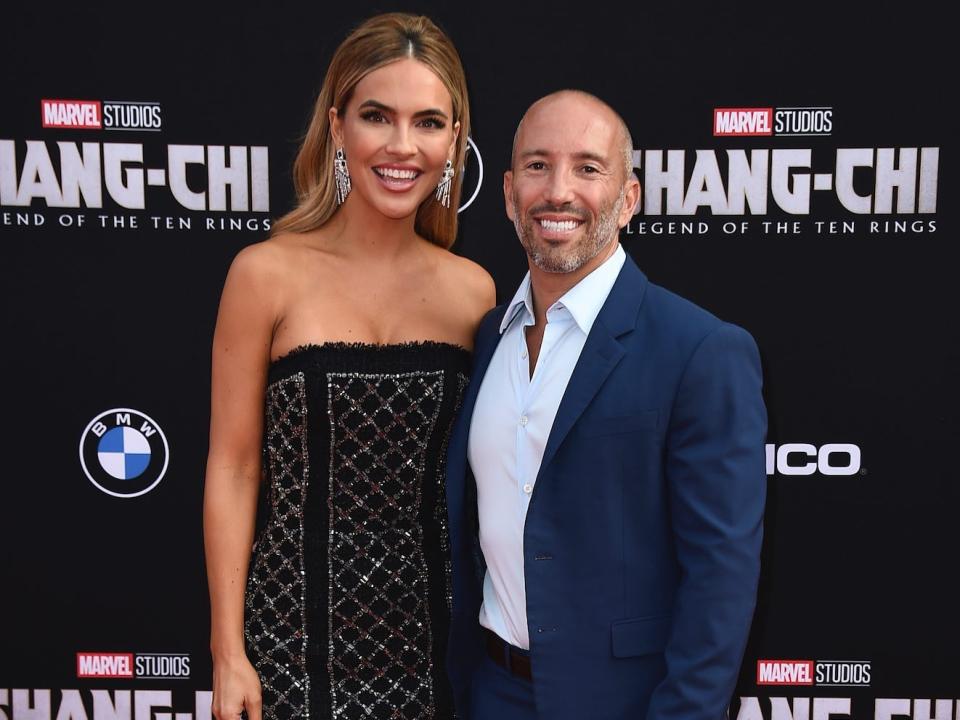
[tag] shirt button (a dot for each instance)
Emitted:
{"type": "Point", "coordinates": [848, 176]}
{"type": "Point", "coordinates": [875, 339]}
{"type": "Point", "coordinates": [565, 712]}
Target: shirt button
{"type": "Point", "coordinates": [528, 488]}
{"type": "Point", "coordinates": [523, 354]}
{"type": "Point", "coordinates": [524, 420]}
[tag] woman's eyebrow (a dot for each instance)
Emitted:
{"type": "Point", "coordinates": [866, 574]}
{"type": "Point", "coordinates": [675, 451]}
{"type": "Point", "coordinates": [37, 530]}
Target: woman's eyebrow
{"type": "Point", "coordinates": [432, 112]}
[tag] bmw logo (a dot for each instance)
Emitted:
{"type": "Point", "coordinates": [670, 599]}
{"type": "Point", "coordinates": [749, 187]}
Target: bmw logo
{"type": "Point", "coordinates": [124, 453]}
{"type": "Point", "coordinates": [472, 176]}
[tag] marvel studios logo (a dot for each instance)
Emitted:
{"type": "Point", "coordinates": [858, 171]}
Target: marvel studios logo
{"type": "Point", "coordinates": [101, 115]}
{"type": "Point", "coordinates": [782, 121]}
{"type": "Point", "coordinates": [142, 666]}
{"type": "Point", "coordinates": [825, 673]}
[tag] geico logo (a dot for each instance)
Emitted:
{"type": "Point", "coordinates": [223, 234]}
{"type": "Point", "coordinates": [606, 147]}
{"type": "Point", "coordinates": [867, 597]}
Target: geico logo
{"type": "Point", "coordinates": [829, 459]}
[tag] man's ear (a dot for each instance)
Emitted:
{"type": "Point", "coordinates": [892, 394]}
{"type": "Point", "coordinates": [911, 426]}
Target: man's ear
{"type": "Point", "coordinates": [631, 200]}
{"type": "Point", "coordinates": [508, 194]}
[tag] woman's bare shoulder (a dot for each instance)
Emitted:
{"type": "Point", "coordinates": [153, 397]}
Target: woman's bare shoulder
{"type": "Point", "coordinates": [277, 259]}
{"type": "Point", "coordinates": [258, 260]}
{"type": "Point", "coordinates": [472, 281]}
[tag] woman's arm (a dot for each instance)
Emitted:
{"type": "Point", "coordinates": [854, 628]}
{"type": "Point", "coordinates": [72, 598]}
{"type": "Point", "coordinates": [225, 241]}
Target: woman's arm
{"type": "Point", "coordinates": [241, 356]}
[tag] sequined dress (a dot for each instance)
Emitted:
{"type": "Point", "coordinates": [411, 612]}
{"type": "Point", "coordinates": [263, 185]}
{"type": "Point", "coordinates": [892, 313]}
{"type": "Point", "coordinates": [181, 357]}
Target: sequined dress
{"type": "Point", "coordinates": [348, 598]}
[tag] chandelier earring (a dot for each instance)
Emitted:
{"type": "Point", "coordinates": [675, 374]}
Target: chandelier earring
{"type": "Point", "coordinates": [341, 175]}
{"type": "Point", "coordinates": [443, 187]}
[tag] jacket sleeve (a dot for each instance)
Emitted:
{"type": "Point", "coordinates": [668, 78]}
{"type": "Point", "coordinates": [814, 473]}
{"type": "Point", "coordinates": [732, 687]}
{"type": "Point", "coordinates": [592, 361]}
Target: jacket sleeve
{"type": "Point", "coordinates": [716, 477]}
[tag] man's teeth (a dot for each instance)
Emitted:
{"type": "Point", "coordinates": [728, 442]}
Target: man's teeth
{"type": "Point", "coordinates": [559, 225]}
{"type": "Point", "coordinates": [397, 174]}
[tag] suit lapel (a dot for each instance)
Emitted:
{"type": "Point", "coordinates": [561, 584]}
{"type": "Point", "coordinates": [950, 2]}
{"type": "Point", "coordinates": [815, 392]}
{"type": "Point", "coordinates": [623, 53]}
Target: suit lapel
{"type": "Point", "coordinates": [601, 353]}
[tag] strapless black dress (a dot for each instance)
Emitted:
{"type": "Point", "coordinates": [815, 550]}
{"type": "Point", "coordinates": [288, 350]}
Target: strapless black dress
{"type": "Point", "coordinates": [348, 598]}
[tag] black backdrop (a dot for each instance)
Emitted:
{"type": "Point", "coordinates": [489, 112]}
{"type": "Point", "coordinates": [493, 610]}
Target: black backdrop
{"type": "Point", "coordinates": [109, 309]}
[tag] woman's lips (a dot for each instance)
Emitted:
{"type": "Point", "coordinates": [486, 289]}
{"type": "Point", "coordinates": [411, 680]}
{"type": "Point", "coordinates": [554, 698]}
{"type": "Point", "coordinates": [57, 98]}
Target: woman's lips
{"type": "Point", "coordinates": [397, 179]}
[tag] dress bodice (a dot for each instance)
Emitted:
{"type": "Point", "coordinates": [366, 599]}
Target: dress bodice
{"type": "Point", "coordinates": [349, 592]}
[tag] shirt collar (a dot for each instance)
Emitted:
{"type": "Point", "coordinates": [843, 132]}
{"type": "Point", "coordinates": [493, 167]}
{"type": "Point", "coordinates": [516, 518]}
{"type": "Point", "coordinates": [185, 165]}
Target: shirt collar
{"type": "Point", "coordinates": [583, 301]}
{"type": "Point", "coordinates": [522, 300]}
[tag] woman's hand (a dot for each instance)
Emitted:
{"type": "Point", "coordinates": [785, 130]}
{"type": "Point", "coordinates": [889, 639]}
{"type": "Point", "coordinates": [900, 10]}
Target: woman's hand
{"type": "Point", "coordinates": [236, 687]}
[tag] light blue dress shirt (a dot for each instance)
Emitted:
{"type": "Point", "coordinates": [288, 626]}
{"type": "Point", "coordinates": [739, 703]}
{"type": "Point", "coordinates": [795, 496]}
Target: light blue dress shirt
{"type": "Point", "coordinates": [509, 429]}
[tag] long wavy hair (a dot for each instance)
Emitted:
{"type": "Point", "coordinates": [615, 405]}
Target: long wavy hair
{"type": "Point", "coordinates": [379, 41]}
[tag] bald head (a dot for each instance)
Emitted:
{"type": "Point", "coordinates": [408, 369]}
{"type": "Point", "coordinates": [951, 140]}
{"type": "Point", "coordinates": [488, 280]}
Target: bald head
{"type": "Point", "coordinates": [571, 185]}
{"type": "Point", "coordinates": [555, 101]}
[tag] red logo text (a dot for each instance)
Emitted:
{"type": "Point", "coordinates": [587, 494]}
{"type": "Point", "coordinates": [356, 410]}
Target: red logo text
{"type": "Point", "coordinates": [100, 665]}
{"type": "Point", "coordinates": [742, 121]}
{"type": "Point", "coordinates": [82, 114]}
{"type": "Point", "coordinates": [784, 672]}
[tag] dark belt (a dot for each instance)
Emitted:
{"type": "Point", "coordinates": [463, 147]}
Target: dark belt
{"type": "Point", "coordinates": [507, 656]}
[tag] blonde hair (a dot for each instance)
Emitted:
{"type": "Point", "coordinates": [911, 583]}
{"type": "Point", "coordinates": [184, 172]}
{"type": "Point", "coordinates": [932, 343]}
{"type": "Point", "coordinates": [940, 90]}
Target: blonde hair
{"type": "Point", "coordinates": [379, 41]}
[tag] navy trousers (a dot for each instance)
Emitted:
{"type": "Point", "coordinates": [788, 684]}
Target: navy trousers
{"type": "Point", "coordinates": [496, 694]}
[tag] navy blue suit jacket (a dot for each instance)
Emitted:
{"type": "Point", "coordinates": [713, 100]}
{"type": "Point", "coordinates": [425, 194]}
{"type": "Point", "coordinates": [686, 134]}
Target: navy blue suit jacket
{"type": "Point", "coordinates": [642, 537]}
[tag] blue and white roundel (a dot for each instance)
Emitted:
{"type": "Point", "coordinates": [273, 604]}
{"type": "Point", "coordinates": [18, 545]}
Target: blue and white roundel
{"type": "Point", "coordinates": [124, 453]}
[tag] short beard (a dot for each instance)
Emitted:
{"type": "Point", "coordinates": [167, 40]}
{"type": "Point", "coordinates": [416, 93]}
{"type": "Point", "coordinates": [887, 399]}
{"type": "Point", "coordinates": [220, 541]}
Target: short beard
{"type": "Point", "coordinates": [547, 259]}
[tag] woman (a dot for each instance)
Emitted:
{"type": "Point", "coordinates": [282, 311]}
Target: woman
{"type": "Point", "coordinates": [354, 322]}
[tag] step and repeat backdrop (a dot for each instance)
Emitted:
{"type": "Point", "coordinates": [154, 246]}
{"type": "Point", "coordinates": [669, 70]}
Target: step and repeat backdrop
{"type": "Point", "coordinates": [798, 169]}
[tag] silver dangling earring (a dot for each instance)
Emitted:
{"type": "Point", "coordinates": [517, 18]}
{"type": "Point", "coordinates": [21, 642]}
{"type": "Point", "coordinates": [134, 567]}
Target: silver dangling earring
{"type": "Point", "coordinates": [341, 175]}
{"type": "Point", "coordinates": [443, 188]}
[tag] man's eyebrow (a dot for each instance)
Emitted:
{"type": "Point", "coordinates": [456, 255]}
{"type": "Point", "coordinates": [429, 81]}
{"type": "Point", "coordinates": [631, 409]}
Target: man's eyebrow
{"type": "Point", "coordinates": [585, 155]}
{"type": "Point", "coordinates": [375, 104]}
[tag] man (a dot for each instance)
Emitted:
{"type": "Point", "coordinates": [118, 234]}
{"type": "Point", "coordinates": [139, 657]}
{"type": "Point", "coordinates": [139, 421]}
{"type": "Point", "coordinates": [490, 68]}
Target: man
{"type": "Point", "coordinates": [609, 459]}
